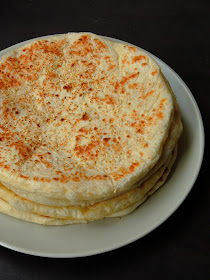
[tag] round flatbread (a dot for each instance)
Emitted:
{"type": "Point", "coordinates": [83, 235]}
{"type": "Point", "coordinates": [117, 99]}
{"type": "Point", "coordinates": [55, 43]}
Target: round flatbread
{"type": "Point", "coordinates": [83, 118]}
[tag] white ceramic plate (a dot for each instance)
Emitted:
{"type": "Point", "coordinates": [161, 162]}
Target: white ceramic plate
{"type": "Point", "coordinates": [108, 234]}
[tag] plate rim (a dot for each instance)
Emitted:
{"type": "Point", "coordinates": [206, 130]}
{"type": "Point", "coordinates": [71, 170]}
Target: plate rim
{"type": "Point", "coordinates": [163, 219]}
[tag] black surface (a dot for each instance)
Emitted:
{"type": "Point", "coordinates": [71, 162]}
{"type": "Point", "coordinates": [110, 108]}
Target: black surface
{"type": "Point", "coordinates": [178, 33]}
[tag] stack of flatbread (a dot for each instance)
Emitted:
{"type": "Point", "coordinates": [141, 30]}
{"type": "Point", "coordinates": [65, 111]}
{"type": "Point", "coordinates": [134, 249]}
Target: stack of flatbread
{"type": "Point", "coordinates": [89, 129]}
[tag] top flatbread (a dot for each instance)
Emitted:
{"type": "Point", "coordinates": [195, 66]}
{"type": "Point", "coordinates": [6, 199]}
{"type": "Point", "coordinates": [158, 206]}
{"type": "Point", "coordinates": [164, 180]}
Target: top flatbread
{"type": "Point", "coordinates": [82, 117]}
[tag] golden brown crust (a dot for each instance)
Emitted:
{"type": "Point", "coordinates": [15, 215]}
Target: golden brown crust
{"type": "Point", "coordinates": [81, 117]}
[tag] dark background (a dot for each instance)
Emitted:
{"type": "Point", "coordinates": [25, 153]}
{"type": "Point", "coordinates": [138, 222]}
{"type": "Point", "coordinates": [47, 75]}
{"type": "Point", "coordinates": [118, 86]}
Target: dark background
{"type": "Point", "coordinates": [178, 32]}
